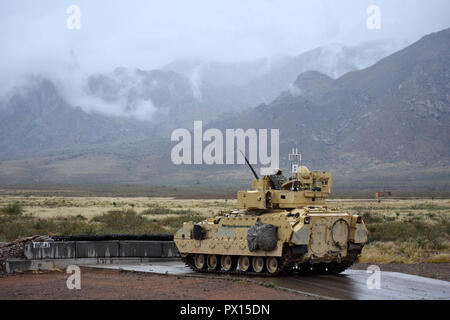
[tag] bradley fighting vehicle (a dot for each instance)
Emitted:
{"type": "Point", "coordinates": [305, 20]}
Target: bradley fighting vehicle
{"type": "Point", "coordinates": [281, 225]}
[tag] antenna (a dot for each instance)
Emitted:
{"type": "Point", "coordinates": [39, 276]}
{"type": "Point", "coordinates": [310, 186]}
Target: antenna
{"type": "Point", "coordinates": [301, 127]}
{"type": "Point", "coordinates": [295, 158]}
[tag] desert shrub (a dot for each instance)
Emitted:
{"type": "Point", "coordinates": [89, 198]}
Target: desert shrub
{"type": "Point", "coordinates": [431, 215]}
{"type": "Point", "coordinates": [62, 226]}
{"type": "Point", "coordinates": [174, 223]}
{"type": "Point", "coordinates": [427, 206]}
{"type": "Point", "coordinates": [163, 210]}
{"type": "Point", "coordinates": [9, 228]}
{"type": "Point", "coordinates": [402, 252]}
{"type": "Point", "coordinates": [126, 221]}
{"type": "Point", "coordinates": [426, 235]}
{"type": "Point", "coordinates": [12, 209]}
{"type": "Point", "coordinates": [112, 222]}
{"type": "Point", "coordinates": [120, 221]}
{"type": "Point", "coordinates": [372, 217]}
{"type": "Point", "coordinates": [13, 227]}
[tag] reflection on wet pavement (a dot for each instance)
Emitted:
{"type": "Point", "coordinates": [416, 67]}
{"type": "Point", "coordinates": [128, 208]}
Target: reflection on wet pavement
{"type": "Point", "coordinates": [352, 284]}
{"type": "Point", "coordinates": [174, 267]}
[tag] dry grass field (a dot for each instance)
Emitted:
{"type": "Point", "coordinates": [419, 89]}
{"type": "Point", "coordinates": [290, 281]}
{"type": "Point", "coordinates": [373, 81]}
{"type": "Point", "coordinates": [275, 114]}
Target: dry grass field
{"type": "Point", "coordinates": [401, 230]}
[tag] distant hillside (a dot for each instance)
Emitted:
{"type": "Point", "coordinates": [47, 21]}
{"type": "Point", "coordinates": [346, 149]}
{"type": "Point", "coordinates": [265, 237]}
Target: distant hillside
{"type": "Point", "coordinates": [395, 114]}
{"type": "Point", "coordinates": [387, 122]}
{"type": "Point", "coordinates": [37, 120]}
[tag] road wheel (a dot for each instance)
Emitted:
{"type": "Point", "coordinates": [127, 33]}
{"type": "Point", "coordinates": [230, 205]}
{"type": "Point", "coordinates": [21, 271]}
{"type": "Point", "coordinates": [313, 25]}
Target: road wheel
{"type": "Point", "coordinates": [212, 262]}
{"type": "Point", "coordinates": [258, 264]}
{"type": "Point", "coordinates": [200, 261]}
{"type": "Point", "coordinates": [228, 263]}
{"type": "Point", "coordinates": [244, 263]}
{"type": "Point", "coordinates": [272, 264]}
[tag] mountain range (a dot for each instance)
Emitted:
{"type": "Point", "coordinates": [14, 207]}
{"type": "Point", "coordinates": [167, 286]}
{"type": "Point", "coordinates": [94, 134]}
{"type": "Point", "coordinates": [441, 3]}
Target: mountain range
{"type": "Point", "coordinates": [360, 112]}
{"type": "Point", "coordinates": [394, 115]}
{"type": "Point", "coordinates": [262, 80]}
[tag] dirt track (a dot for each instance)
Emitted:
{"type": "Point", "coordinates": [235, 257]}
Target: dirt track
{"type": "Point", "coordinates": [108, 284]}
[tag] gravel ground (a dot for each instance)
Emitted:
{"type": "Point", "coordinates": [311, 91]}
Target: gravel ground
{"type": "Point", "coordinates": [110, 284]}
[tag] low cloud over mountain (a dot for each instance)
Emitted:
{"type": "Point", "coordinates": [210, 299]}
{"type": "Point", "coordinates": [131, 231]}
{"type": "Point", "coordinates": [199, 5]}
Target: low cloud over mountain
{"type": "Point", "coordinates": [343, 112]}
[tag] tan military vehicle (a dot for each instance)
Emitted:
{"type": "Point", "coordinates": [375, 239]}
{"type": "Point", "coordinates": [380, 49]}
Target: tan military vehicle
{"type": "Point", "coordinates": [281, 225]}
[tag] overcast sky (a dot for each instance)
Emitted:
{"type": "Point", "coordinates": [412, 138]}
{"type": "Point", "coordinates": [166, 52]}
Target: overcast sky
{"type": "Point", "coordinates": [148, 34]}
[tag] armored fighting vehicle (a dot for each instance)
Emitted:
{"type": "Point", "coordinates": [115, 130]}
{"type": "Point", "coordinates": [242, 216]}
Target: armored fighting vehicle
{"type": "Point", "coordinates": [281, 225]}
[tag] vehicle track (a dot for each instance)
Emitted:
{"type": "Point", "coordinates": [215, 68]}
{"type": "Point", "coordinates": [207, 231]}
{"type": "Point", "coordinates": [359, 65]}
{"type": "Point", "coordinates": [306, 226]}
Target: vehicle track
{"type": "Point", "coordinates": [288, 264]}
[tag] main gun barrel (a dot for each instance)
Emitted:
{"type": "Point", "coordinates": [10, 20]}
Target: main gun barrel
{"type": "Point", "coordinates": [248, 163]}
